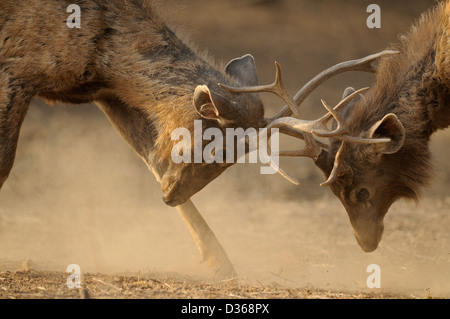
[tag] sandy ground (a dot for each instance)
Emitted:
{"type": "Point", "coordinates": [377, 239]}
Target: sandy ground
{"type": "Point", "coordinates": [79, 195]}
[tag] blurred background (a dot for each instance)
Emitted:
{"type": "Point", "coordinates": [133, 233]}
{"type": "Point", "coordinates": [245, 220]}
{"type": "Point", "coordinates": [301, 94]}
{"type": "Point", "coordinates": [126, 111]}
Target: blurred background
{"type": "Point", "coordinates": [79, 194]}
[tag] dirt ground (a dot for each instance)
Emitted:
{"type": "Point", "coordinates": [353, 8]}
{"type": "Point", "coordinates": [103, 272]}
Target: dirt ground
{"type": "Point", "coordinates": [79, 195]}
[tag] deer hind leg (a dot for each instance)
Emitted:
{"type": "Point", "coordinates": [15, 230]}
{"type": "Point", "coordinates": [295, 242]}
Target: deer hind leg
{"type": "Point", "coordinates": [13, 107]}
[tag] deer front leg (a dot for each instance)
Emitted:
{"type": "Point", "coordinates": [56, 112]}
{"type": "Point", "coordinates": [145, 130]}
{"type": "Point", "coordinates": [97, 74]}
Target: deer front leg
{"type": "Point", "coordinates": [13, 108]}
{"type": "Point", "coordinates": [206, 241]}
{"type": "Point", "coordinates": [210, 248]}
{"type": "Point", "coordinates": [132, 124]}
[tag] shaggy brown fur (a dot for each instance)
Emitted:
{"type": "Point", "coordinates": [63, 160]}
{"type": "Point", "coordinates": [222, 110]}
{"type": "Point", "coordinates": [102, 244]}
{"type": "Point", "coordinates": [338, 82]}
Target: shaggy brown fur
{"type": "Point", "coordinates": [414, 85]}
{"type": "Point", "coordinates": [127, 60]}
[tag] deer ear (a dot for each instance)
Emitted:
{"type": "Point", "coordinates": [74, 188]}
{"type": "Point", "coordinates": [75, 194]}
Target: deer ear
{"type": "Point", "coordinates": [347, 109]}
{"type": "Point", "coordinates": [243, 70]}
{"type": "Point", "coordinates": [211, 105]}
{"type": "Point", "coordinates": [389, 126]}
{"type": "Point", "coordinates": [347, 92]}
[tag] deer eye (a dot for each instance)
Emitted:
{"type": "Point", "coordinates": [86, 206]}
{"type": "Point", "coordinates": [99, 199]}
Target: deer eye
{"type": "Point", "coordinates": [362, 195]}
{"type": "Point", "coordinates": [359, 195]}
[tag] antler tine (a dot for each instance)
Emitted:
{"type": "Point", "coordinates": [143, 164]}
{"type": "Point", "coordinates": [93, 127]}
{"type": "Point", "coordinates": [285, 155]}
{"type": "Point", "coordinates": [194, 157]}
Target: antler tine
{"type": "Point", "coordinates": [277, 87]}
{"type": "Point", "coordinates": [333, 112]}
{"type": "Point", "coordinates": [337, 166]}
{"type": "Point", "coordinates": [312, 146]}
{"type": "Point", "coordinates": [319, 129]}
{"type": "Point", "coordinates": [342, 126]}
{"type": "Point", "coordinates": [271, 88]}
{"type": "Point", "coordinates": [342, 129]}
{"type": "Point", "coordinates": [264, 152]}
{"type": "Point", "coordinates": [364, 64]}
{"type": "Point", "coordinates": [290, 131]}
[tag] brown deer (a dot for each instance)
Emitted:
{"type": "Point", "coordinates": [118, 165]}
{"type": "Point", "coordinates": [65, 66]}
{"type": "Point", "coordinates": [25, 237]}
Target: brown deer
{"type": "Point", "coordinates": [409, 101]}
{"type": "Point", "coordinates": [146, 79]}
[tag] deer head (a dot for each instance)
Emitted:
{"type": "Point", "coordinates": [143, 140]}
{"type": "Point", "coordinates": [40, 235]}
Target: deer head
{"type": "Point", "coordinates": [218, 109]}
{"type": "Point", "coordinates": [408, 102]}
{"type": "Point", "coordinates": [367, 180]}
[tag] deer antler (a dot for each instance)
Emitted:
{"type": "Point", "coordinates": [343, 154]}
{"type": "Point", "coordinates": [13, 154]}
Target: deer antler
{"type": "Point", "coordinates": [305, 129]}
{"type": "Point", "coordinates": [318, 128]}
{"type": "Point", "coordinates": [277, 87]}
{"type": "Point", "coordinates": [364, 64]}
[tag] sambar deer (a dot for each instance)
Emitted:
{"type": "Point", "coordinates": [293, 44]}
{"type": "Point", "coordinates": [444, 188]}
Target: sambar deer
{"type": "Point", "coordinates": [145, 78]}
{"type": "Point", "coordinates": [409, 101]}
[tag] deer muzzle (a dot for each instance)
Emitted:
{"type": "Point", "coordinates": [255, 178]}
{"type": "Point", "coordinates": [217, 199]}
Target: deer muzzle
{"type": "Point", "coordinates": [368, 230]}
{"type": "Point", "coordinates": [181, 181]}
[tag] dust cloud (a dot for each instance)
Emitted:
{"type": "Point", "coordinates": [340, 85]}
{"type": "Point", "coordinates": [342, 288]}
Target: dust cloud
{"type": "Point", "coordinates": [79, 195]}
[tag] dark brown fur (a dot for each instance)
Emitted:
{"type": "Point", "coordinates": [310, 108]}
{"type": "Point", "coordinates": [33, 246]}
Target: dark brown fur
{"type": "Point", "coordinates": [414, 85]}
{"type": "Point", "coordinates": [127, 60]}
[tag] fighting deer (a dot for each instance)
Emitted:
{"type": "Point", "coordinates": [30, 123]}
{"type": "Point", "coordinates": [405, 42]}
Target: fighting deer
{"type": "Point", "coordinates": [379, 144]}
{"type": "Point", "coordinates": [144, 77]}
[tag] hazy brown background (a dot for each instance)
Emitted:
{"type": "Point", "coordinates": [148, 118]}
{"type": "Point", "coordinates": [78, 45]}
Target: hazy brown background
{"type": "Point", "coordinates": [78, 193]}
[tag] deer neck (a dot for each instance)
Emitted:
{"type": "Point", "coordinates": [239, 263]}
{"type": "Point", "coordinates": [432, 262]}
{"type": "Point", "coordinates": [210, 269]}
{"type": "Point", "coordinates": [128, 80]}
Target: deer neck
{"type": "Point", "coordinates": [155, 74]}
{"type": "Point", "coordinates": [422, 103]}
{"type": "Point", "coordinates": [433, 98]}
